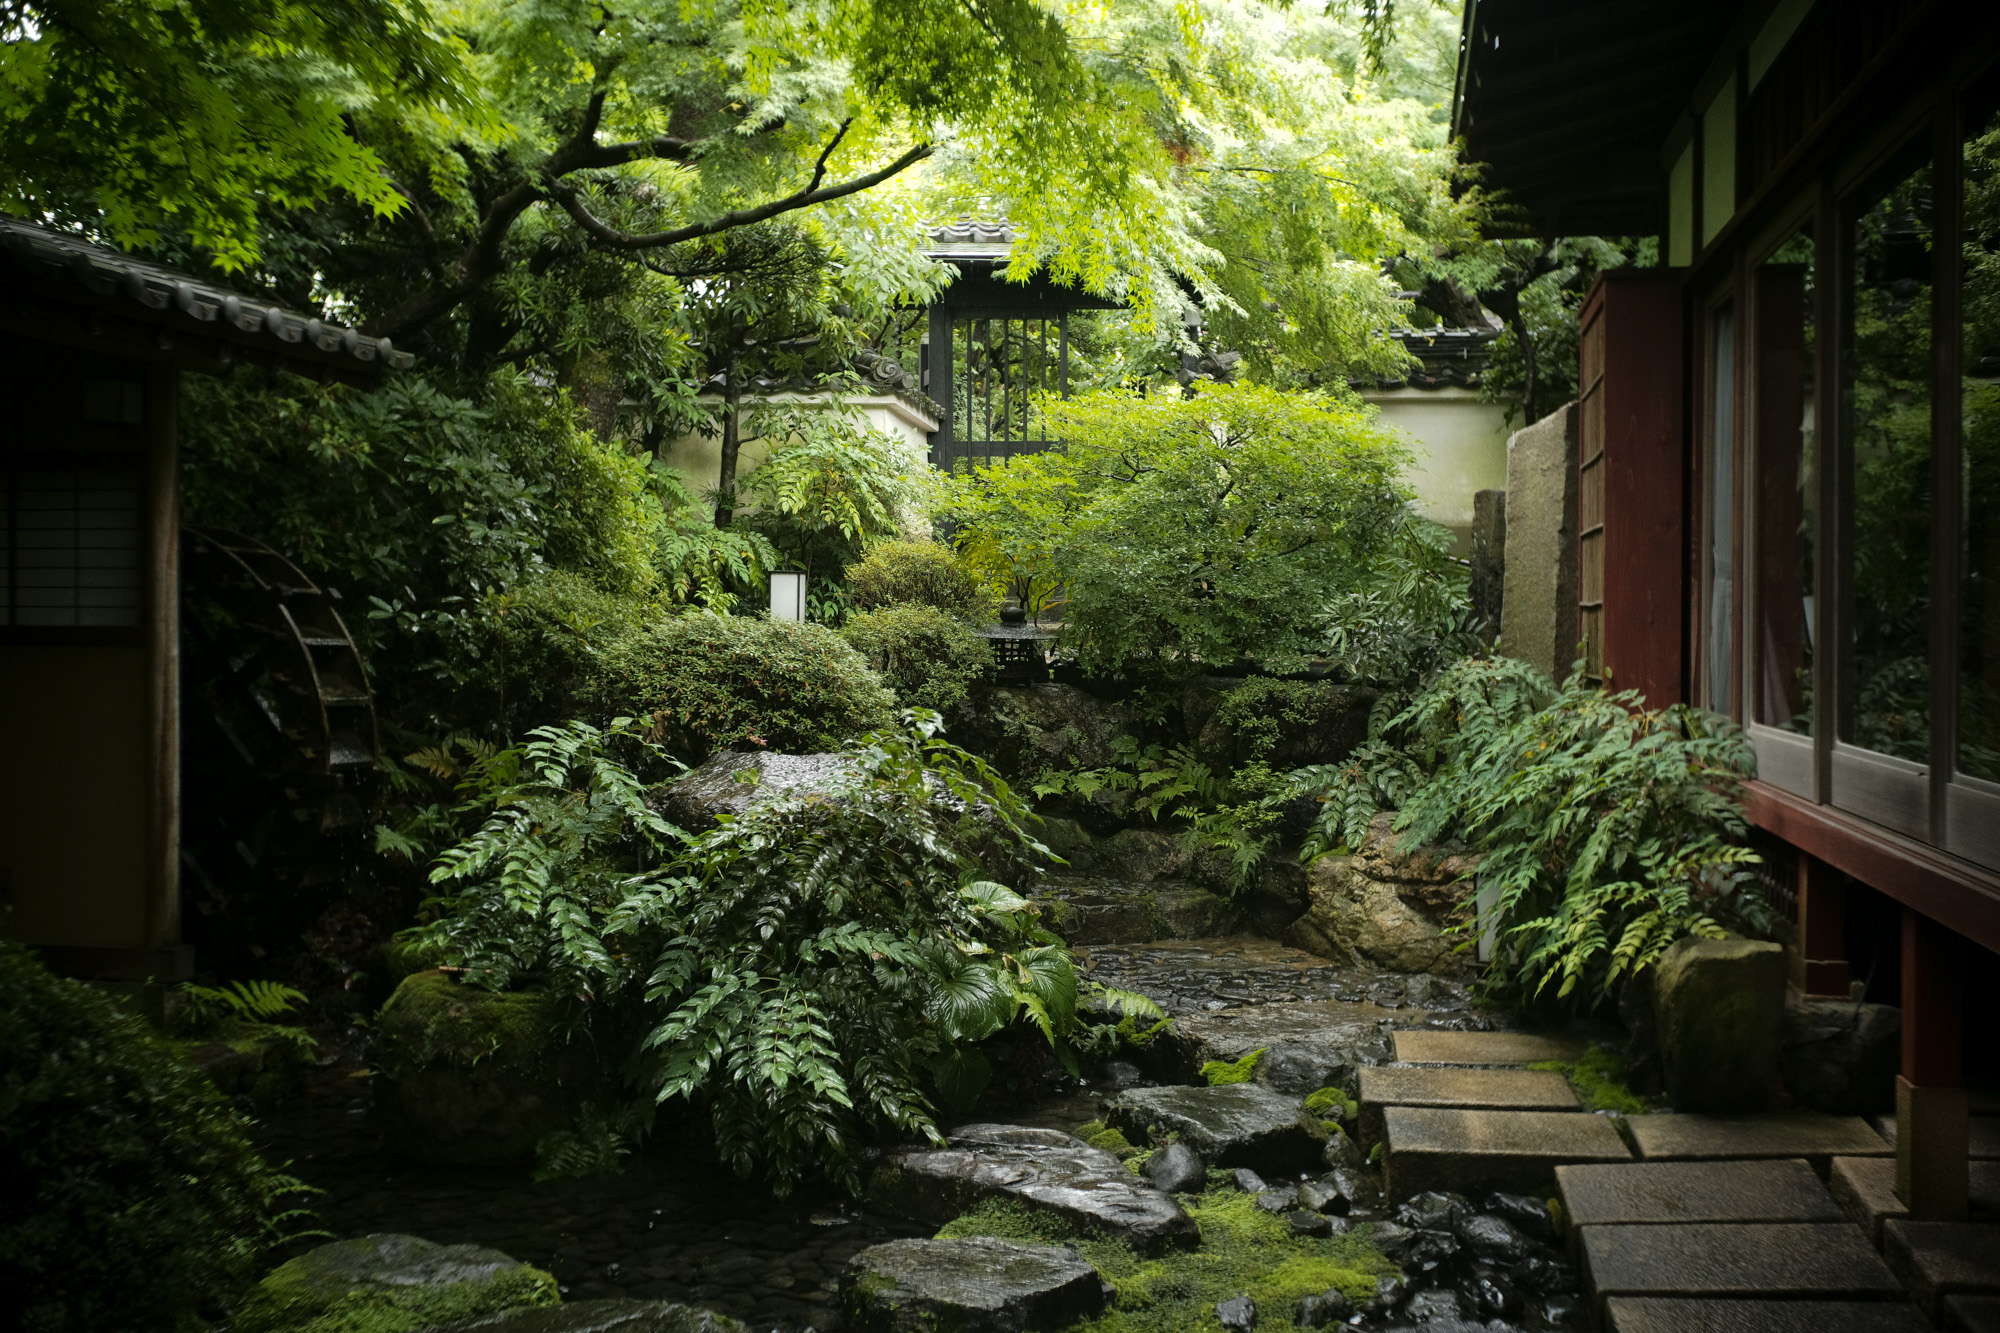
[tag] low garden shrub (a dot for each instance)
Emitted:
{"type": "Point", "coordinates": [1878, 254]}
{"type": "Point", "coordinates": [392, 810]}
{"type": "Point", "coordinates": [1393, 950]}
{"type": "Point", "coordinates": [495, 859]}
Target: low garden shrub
{"type": "Point", "coordinates": [545, 643]}
{"type": "Point", "coordinates": [130, 1194]}
{"type": "Point", "coordinates": [927, 573]}
{"type": "Point", "coordinates": [1608, 830]}
{"type": "Point", "coordinates": [734, 682]}
{"type": "Point", "coordinates": [928, 657]}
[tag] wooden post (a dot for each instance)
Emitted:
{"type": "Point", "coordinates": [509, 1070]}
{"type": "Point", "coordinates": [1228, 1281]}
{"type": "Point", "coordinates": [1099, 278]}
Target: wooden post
{"type": "Point", "coordinates": [1822, 930]}
{"type": "Point", "coordinates": [1931, 1116]}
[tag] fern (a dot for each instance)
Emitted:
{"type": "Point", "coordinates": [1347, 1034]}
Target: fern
{"type": "Point", "coordinates": [245, 1002]}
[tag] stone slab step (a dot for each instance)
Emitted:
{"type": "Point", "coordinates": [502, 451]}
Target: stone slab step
{"type": "Point", "coordinates": [976, 1285]}
{"type": "Point", "coordinates": [1467, 1152]}
{"type": "Point", "coordinates": [1982, 1142]}
{"type": "Point", "coordinates": [1972, 1314]}
{"type": "Point", "coordinates": [1426, 1046]}
{"type": "Point", "coordinates": [1865, 1189]}
{"type": "Point", "coordinates": [1768, 1260]}
{"type": "Point", "coordinates": [1940, 1259]}
{"type": "Point", "coordinates": [1655, 1314]}
{"type": "Point", "coordinates": [1668, 1192]}
{"type": "Point", "coordinates": [1460, 1089]}
{"type": "Point", "coordinates": [1808, 1134]}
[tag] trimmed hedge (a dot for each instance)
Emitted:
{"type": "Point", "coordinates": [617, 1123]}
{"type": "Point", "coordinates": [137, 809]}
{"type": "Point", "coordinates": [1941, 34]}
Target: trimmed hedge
{"type": "Point", "coordinates": [892, 573]}
{"type": "Point", "coordinates": [927, 656]}
{"type": "Point", "coordinates": [731, 682]}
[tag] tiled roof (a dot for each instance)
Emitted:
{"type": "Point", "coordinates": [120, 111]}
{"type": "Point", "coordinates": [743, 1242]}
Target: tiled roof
{"type": "Point", "coordinates": [1449, 358]}
{"type": "Point", "coordinates": [971, 238]}
{"type": "Point", "coordinates": [60, 258]}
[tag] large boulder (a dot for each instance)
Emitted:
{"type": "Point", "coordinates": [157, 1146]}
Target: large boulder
{"type": "Point", "coordinates": [1040, 1168]}
{"type": "Point", "coordinates": [973, 1285]}
{"type": "Point", "coordinates": [1719, 1009]}
{"type": "Point", "coordinates": [732, 781]}
{"type": "Point", "coordinates": [1023, 729]}
{"type": "Point", "coordinates": [1383, 908]}
{"type": "Point", "coordinates": [1089, 909]}
{"type": "Point", "coordinates": [1306, 1045]}
{"type": "Point", "coordinates": [466, 1076]}
{"type": "Point", "coordinates": [606, 1316]}
{"type": "Point", "coordinates": [390, 1284]}
{"type": "Point", "coordinates": [1236, 1124]}
{"type": "Point", "coordinates": [1840, 1056]}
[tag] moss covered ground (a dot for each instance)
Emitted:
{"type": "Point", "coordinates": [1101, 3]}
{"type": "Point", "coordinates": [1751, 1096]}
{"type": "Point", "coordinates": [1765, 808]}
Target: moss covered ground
{"type": "Point", "coordinates": [1244, 1251]}
{"type": "Point", "coordinates": [1599, 1080]}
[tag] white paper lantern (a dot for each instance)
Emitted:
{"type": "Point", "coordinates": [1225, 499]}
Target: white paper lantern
{"type": "Point", "coordinates": [788, 597]}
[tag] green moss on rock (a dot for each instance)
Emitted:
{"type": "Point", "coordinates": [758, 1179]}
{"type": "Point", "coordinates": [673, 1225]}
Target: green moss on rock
{"type": "Point", "coordinates": [390, 1284]}
{"type": "Point", "coordinates": [1220, 1073]}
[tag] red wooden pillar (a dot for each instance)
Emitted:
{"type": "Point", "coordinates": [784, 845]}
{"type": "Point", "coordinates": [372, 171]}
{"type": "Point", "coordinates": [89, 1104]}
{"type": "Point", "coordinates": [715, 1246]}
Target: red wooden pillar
{"type": "Point", "coordinates": [1931, 1118]}
{"type": "Point", "coordinates": [1822, 930]}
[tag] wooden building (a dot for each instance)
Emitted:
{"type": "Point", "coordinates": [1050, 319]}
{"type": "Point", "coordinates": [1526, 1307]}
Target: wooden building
{"type": "Point", "coordinates": [92, 345]}
{"type": "Point", "coordinates": [1789, 450]}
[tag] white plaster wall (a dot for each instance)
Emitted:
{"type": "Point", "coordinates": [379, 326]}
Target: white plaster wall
{"type": "Point", "coordinates": [1460, 448]}
{"type": "Point", "coordinates": [698, 458]}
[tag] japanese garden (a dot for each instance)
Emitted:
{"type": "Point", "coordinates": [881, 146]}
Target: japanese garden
{"type": "Point", "coordinates": [999, 666]}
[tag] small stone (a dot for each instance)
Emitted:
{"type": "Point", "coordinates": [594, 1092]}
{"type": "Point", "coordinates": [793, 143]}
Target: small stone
{"type": "Point", "coordinates": [1530, 1215]}
{"type": "Point", "coordinates": [1492, 1237]}
{"type": "Point", "coordinates": [1388, 1290]}
{"type": "Point", "coordinates": [1175, 1169]}
{"type": "Point", "coordinates": [1544, 1277]}
{"type": "Point", "coordinates": [1393, 1240]}
{"type": "Point", "coordinates": [1432, 1209]}
{"type": "Point", "coordinates": [1239, 1312]}
{"type": "Point", "coordinates": [1341, 1150]}
{"type": "Point", "coordinates": [1280, 1200]}
{"type": "Point", "coordinates": [1429, 1249]}
{"type": "Point", "coordinates": [1320, 1197]}
{"type": "Point", "coordinates": [1306, 1223]}
{"type": "Point", "coordinates": [1426, 1306]}
{"type": "Point", "coordinates": [1358, 1187]}
{"type": "Point", "coordinates": [1123, 1074]}
{"type": "Point", "coordinates": [1235, 1124]}
{"type": "Point", "coordinates": [1247, 1180]}
{"type": "Point", "coordinates": [1331, 1307]}
{"type": "Point", "coordinates": [1493, 1296]}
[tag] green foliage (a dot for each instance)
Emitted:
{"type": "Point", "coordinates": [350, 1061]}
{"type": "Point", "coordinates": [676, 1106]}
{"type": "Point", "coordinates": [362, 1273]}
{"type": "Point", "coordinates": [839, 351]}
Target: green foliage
{"type": "Point", "coordinates": [720, 682]}
{"type": "Point", "coordinates": [1220, 1073]}
{"type": "Point", "coordinates": [927, 656]}
{"type": "Point", "coordinates": [1607, 831]}
{"type": "Point", "coordinates": [1101, 1136]}
{"type": "Point", "coordinates": [142, 118]}
{"type": "Point", "coordinates": [597, 1146]}
{"type": "Point", "coordinates": [1332, 1104]}
{"type": "Point", "coordinates": [246, 1001]}
{"type": "Point", "coordinates": [134, 1197]}
{"type": "Point", "coordinates": [894, 572]}
{"type": "Point", "coordinates": [1244, 1250]}
{"type": "Point", "coordinates": [542, 647]}
{"type": "Point", "coordinates": [1599, 1080]}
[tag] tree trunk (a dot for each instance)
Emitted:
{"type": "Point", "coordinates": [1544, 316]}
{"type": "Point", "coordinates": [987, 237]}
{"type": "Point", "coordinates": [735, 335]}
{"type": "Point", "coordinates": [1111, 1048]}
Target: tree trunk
{"type": "Point", "coordinates": [732, 440]}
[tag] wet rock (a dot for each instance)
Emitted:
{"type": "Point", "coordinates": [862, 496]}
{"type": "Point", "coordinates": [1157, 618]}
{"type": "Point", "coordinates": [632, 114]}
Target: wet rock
{"type": "Point", "coordinates": [1040, 1168]}
{"type": "Point", "coordinates": [1329, 1308]}
{"type": "Point", "coordinates": [1321, 1197]}
{"type": "Point", "coordinates": [1176, 1169]}
{"type": "Point", "coordinates": [1307, 1045]}
{"type": "Point", "coordinates": [1280, 1199]}
{"type": "Point", "coordinates": [1427, 1306]}
{"type": "Point", "coordinates": [1544, 1277]}
{"type": "Point", "coordinates": [1492, 1237]}
{"type": "Point", "coordinates": [695, 799]}
{"type": "Point", "coordinates": [1393, 1240]}
{"type": "Point", "coordinates": [1120, 1074]}
{"type": "Point", "coordinates": [1493, 1296]}
{"type": "Point", "coordinates": [977, 1285]}
{"type": "Point", "coordinates": [1528, 1214]}
{"type": "Point", "coordinates": [1238, 1313]}
{"type": "Point", "coordinates": [1383, 908]}
{"type": "Point", "coordinates": [1097, 910]}
{"type": "Point", "coordinates": [1342, 1151]}
{"type": "Point", "coordinates": [1432, 1210]}
{"type": "Point", "coordinates": [1430, 1249]}
{"type": "Point", "coordinates": [1238, 1124]}
{"type": "Point", "coordinates": [1022, 729]}
{"type": "Point", "coordinates": [1361, 1189]}
{"type": "Point", "coordinates": [1301, 1067]}
{"type": "Point", "coordinates": [392, 1283]}
{"type": "Point", "coordinates": [603, 1316]}
{"type": "Point", "coordinates": [1841, 1057]}
{"type": "Point", "coordinates": [1720, 1008]}
{"type": "Point", "coordinates": [1247, 1180]}
{"type": "Point", "coordinates": [1388, 1290]}
{"type": "Point", "coordinates": [467, 1077]}
{"type": "Point", "coordinates": [1305, 1222]}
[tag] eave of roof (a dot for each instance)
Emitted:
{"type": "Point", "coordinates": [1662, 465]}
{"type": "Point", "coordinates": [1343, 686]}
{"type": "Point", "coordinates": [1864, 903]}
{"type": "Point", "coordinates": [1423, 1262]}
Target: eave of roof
{"type": "Point", "coordinates": [67, 289]}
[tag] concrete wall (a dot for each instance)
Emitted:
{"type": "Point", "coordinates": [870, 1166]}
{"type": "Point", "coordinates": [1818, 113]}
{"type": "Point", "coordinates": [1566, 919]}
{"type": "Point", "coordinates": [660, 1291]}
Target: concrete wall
{"type": "Point", "coordinates": [1538, 605]}
{"type": "Point", "coordinates": [1460, 444]}
{"type": "Point", "coordinates": [698, 458]}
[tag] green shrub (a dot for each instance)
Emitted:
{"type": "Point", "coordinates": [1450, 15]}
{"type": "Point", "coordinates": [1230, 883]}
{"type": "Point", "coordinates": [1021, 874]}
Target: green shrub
{"type": "Point", "coordinates": [927, 657]}
{"type": "Point", "coordinates": [892, 573]}
{"type": "Point", "coordinates": [544, 642]}
{"type": "Point", "coordinates": [731, 682]}
{"type": "Point", "coordinates": [130, 1194]}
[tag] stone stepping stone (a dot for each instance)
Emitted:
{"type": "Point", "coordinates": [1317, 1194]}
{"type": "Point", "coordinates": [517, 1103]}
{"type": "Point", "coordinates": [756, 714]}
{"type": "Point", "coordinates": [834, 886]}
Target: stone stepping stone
{"type": "Point", "coordinates": [1653, 1314]}
{"type": "Point", "coordinates": [1865, 1189]}
{"type": "Point", "coordinates": [1042, 1168]}
{"type": "Point", "coordinates": [1091, 909]}
{"type": "Point", "coordinates": [606, 1316]}
{"type": "Point", "coordinates": [1307, 1044]}
{"type": "Point", "coordinates": [1940, 1259]}
{"type": "Point", "coordinates": [1982, 1141]}
{"type": "Point", "coordinates": [1669, 1192]}
{"type": "Point", "coordinates": [1237, 1124]}
{"type": "Point", "coordinates": [1817, 1138]}
{"type": "Point", "coordinates": [974, 1285]}
{"type": "Point", "coordinates": [1771, 1260]}
{"type": "Point", "coordinates": [1465, 1152]}
{"type": "Point", "coordinates": [1461, 1089]}
{"type": "Point", "coordinates": [1429, 1047]}
{"type": "Point", "coordinates": [380, 1279]}
{"type": "Point", "coordinates": [1972, 1314]}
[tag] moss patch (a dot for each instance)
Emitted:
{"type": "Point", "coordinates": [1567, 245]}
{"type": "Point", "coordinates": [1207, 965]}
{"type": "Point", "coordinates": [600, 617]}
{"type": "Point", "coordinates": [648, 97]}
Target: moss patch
{"type": "Point", "coordinates": [1331, 1104]}
{"type": "Point", "coordinates": [327, 1290]}
{"type": "Point", "coordinates": [1243, 1250]}
{"type": "Point", "coordinates": [1222, 1072]}
{"type": "Point", "coordinates": [1599, 1080]}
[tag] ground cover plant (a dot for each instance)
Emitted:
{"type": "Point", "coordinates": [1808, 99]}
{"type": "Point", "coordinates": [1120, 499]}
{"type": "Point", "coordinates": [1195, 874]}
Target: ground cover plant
{"type": "Point", "coordinates": [1607, 830]}
{"type": "Point", "coordinates": [1244, 1251]}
